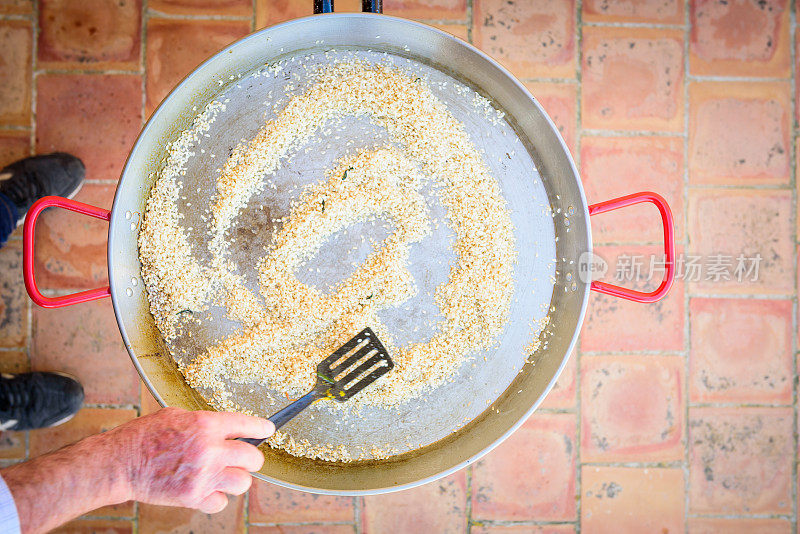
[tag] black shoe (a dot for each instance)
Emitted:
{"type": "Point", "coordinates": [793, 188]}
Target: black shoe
{"type": "Point", "coordinates": [38, 400]}
{"type": "Point", "coordinates": [38, 176]}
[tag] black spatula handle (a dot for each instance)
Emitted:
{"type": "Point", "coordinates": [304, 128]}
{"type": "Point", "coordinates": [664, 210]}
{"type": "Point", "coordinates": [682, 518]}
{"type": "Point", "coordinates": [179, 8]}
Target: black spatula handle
{"type": "Point", "coordinates": [285, 415]}
{"type": "Point", "coordinates": [252, 441]}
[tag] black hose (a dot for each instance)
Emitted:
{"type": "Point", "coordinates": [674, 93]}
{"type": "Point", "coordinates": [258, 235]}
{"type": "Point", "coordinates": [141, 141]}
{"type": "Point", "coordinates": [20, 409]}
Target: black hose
{"type": "Point", "coordinates": [372, 6]}
{"type": "Point", "coordinates": [323, 6]}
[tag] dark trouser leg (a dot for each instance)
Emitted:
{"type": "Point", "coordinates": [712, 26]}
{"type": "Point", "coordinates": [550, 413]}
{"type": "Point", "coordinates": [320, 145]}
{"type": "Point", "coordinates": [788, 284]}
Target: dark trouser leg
{"type": "Point", "coordinates": [8, 218]}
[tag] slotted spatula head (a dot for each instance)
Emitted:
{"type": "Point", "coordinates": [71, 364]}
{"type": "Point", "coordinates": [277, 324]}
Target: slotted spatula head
{"type": "Point", "coordinates": [357, 364]}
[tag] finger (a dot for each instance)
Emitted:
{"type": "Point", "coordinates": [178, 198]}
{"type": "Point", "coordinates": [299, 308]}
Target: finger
{"type": "Point", "coordinates": [239, 425]}
{"type": "Point", "coordinates": [216, 502]}
{"type": "Point", "coordinates": [242, 455]}
{"type": "Point", "coordinates": [234, 481]}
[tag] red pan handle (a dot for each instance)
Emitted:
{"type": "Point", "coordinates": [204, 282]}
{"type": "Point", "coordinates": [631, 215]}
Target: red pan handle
{"type": "Point", "coordinates": [27, 252]}
{"type": "Point", "coordinates": [669, 246]}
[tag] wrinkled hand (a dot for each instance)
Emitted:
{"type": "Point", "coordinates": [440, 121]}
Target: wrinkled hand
{"type": "Point", "coordinates": [189, 459]}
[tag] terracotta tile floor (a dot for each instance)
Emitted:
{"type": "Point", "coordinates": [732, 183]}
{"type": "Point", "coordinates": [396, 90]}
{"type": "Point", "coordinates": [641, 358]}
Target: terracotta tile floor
{"type": "Point", "coordinates": [680, 416]}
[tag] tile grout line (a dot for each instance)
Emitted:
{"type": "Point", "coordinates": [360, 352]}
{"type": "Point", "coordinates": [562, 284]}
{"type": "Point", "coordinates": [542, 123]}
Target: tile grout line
{"type": "Point", "coordinates": [15, 127]}
{"type": "Point", "coordinates": [88, 71]}
{"type": "Point", "coordinates": [749, 516]}
{"type": "Point", "coordinates": [143, 84]}
{"type": "Point", "coordinates": [546, 79]}
{"type": "Point", "coordinates": [213, 17]}
{"type": "Point", "coordinates": [631, 25]}
{"type": "Point", "coordinates": [91, 517]}
{"type": "Point", "coordinates": [110, 406]}
{"type": "Point", "coordinates": [738, 405]}
{"type": "Point", "coordinates": [153, 13]}
{"type": "Point", "coordinates": [33, 79]}
{"type": "Point", "coordinates": [672, 464]}
{"type": "Point", "coordinates": [468, 495]}
{"type": "Point", "coordinates": [579, 133]}
{"type": "Point", "coordinates": [522, 523]}
{"type": "Point", "coordinates": [735, 187]}
{"type": "Point", "coordinates": [358, 508]}
{"type": "Point", "coordinates": [793, 181]}
{"type": "Point", "coordinates": [17, 16]}
{"type": "Point", "coordinates": [601, 132]}
{"type": "Point", "coordinates": [686, 232]}
{"type": "Point", "coordinates": [740, 79]}
{"type": "Point", "coordinates": [470, 22]}
{"type": "Point", "coordinates": [742, 296]}
{"type": "Point", "coordinates": [32, 150]}
{"type": "Point", "coordinates": [300, 523]}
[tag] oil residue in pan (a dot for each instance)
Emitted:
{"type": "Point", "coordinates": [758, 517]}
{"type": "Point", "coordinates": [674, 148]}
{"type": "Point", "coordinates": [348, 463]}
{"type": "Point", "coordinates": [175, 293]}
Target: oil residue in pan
{"type": "Point", "coordinates": [424, 419]}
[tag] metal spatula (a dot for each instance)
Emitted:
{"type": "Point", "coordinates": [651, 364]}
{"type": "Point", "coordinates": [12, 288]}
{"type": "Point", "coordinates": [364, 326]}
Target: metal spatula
{"type": "Point", "coordinates": [357, 364]}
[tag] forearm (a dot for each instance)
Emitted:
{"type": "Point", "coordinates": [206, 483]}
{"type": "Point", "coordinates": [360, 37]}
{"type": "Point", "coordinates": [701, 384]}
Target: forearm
{"type": "Point", "coordinates": [172, 457]}
{"type": "Point", "coordinates": [54, 488]}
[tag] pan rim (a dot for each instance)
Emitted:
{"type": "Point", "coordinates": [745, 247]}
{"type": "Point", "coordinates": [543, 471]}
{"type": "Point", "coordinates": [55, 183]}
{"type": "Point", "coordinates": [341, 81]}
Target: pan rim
{"type": "Point", "coordinates": [167, 101]}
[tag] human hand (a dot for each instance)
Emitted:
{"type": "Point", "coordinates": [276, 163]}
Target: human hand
{"type": "Point", "coordinates": [181, 458]}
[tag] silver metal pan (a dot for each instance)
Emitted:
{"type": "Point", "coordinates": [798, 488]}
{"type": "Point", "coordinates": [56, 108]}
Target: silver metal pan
{"type": "Point", "coordinates": [459, 421]}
